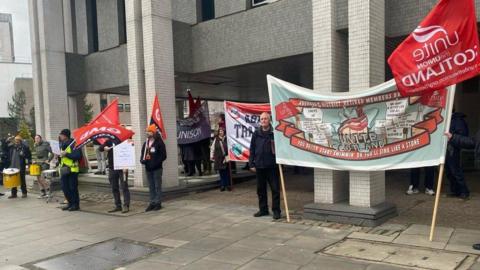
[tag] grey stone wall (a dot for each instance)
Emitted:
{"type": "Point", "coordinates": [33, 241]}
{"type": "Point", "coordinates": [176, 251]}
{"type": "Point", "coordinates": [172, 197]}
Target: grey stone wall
{"type": "Point", "coordinates": [185, 11]}
{"type": "Point", "coordinates": [280, 29]}
{"type": "Point", "coordinates": [108, 26]}
{"type": "Point", "coordinates": [227, 7]}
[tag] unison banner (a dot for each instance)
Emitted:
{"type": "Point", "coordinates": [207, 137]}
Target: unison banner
{"type": "Point", "coordinates": [195, 128]}
{"type": "Point", "coordinates": [376, 129]}
{"type": "Point", "coordinates": [241, 120]}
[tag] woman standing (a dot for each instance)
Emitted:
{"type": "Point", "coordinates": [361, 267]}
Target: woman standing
{"type": "Point", "coordinates": [219, 154]}
{"type": "Point", "coordinates": [44, 155]}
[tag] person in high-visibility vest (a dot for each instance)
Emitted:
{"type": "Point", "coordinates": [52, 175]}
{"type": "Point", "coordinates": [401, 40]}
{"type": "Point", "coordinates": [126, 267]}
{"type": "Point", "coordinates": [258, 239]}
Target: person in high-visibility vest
{"type": "Point", "coordinates": [69, 169]}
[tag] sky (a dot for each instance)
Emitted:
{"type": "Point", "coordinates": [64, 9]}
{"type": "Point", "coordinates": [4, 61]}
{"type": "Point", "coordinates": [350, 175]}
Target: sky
{"type": "Point", "coordinates": [21, 33]}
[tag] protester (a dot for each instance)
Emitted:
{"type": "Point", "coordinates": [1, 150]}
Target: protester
{"type": "Point", "coordinates": [461, 141]}
{"type": "Point", "coordinates": [153, 155]}
{"type": "Point", "coordinates": [44, 156]}
{"type": "Point", "coordinates": [458, 186]}
{"type": "Point", "coordinates": [19, 157]}
{"type": "Point", "coordinates": [219, 155]}
{"type": "Point", "coordinates": [205, 156]}
{"type": "Point", "coordinates": [262, 161]}
{"type": "Point", "coordinates": [192, 155]}
{"type": "Point", "coordinates": [3, 159]}
{"type": "Point", "coordinates": [118, 179]}
{"type": "Point", "coordinates": [69, 169]}
{"type": "Point", "coordinates": [100, 159]}
{"type": "Point", "coordinates": [415, 180]}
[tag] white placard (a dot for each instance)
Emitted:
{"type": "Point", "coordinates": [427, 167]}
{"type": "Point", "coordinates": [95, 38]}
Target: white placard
{"type": "Point", "coordinates": [313, 113]}
{"type": "Point", "coordinates": [55, 145]}
{"type": "Point", "coordinates": [396, 108]}
{"type": "Point", "coordinates": [124, 156]}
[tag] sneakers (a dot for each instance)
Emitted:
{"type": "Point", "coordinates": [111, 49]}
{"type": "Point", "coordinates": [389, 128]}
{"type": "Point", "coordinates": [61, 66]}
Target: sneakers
{"type": "Point", "coordinates": [157, 207]}
{"type": "Point", "coordinates": [411, 190]}
{"type": "Point", "coordinates": [126, 209]}
{"type": "Point", "coordinates": [12, 197]}
{"type": "Point", "coordinates": [42, 196]}
{"type": "Point", "coordinates": [24, 195]}
{"type": "Point", "coordinates": [476, 246]}
{"type": "Point", "coordinates": [261, 214]}
{"type": "Point", "coordinates": [150, 208]}
{"type": "Point", "coordinates": [276, 215]}
{"type": "Point", "coordinates": [429, 192]}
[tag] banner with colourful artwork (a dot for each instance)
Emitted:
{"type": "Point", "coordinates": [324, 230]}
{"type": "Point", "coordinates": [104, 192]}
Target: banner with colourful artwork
{"type": "Point", "coordinates": [375, 129]}
{"type": "Point", "coordinates": [241, 120]}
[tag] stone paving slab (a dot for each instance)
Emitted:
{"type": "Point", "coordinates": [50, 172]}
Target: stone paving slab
{"type": "Point", "coordinates": [290, 255]}
{"type": "Point", "coordinates": [263, 264]}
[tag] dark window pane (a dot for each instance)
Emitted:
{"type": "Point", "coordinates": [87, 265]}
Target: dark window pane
{"type": "Point", "coordinates": [208, 10]}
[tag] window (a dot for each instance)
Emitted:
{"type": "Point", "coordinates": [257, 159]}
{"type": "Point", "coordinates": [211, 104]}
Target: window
{"type": "Point", "coordinates": [122, 23]}
{"type": "Point", "coordinates": [120, 107]}
{"type": "Point", "coordinates": [261, 2]}
{"type": "Point", "coordinates": [92, 25]}
{"type": "Point", "coordinates": [208, 10]}
{"type": "Point", "coordinates": [127, 107]}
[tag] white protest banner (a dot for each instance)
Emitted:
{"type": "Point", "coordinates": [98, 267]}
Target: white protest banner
{"type": "Point", "coordinates": [55, 145]}
{"type": "Point", "coordinates": [241, 120]}
{"type": "Point", "coordinates": [124, 156]}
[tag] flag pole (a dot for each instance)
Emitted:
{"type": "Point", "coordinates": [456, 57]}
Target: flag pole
{"type": "Point", "coordinates": [282, 182]}
{"type": "Point", "coordinates": [451, 96]}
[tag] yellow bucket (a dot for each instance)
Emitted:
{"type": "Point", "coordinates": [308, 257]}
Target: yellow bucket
{"type": "Point", "coordinates": [35, 170]}
{"type": "Point", "coordinates": [11, 178]}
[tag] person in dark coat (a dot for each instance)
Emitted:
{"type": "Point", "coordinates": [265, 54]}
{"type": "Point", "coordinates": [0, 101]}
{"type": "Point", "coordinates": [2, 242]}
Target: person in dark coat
{"type": "Point", "coordinates": [69, 170]}
{"type": "Point", "coordinates": [458, 186]}
{"type": "Point", "coordinates": [219, 155]}
{"type": "Point", "coordinates": [153, 155]}
{"type": "Point", "coordinates": [461, 141]}
{"type": "Point", "coordinates": [192, 154]}
{"type": "Point", "coordinates": [19, 157]}
{"type": "Point", "coordinates": [262, 161]}
{"type": "Point", "coordinates": [118, 180]}
{"type": "Point", "coordinates": [3, 159]}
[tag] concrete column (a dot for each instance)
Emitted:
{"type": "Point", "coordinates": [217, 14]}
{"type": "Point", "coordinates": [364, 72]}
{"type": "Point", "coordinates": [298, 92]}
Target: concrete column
{"type": "Point", "coordinates": [328, 60]}
{"type": "Point", "coordinates": [68, 25]}
{"type": "Point", "coordinates": [366, 41]}
{"type": "Point", "coordinates": [136, 81]}
{"type": "Point", "coordinates": [159, 76]}
{"type": "Point", "coordinates": [52, 66]}
{"type": "Point", "coordinates": [36, 68]}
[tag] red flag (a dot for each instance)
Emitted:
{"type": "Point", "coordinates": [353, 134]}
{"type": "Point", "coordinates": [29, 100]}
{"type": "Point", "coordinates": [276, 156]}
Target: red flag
{"type": "Point", "coordinates": [441, 51]}
{"type": "Point", "coordinates": [87, 133]}
{"type": "Point", "coordinates": [108, 115]}
{"type": "Point", "coordinates": [285, 110]}
{"type": "Point", "coordinates": [157, 119]}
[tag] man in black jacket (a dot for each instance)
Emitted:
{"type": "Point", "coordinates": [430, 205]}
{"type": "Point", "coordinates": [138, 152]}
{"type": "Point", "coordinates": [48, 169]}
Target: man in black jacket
{"type": "Point", "coordinates": [19, 157]}
{"type": "Point", "coordinates": [118, 179]}
{"type": "Point", "coordinates": [153, 155]}
{"type": "Point", "coordinates": [262, 161]}
{"type": "Point", "coordinates": [469, 143]}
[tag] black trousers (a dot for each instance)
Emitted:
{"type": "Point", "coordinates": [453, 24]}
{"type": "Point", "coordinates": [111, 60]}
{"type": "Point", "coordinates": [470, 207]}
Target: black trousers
{"type": "Point", "coordinates": [119, 180]}
{"type": "Point", "coordinates": [70, 189]}
{"type": "Point", "coordinates": [23, 184]}
{"type": "Point", "coordinates": [454, 170]}
{"type": "Point", "coordinates": [270, 176]}
{"type": "Point", "coordinates": [429, 177]}
{"type": "Point", "coordinates": [191, 167]}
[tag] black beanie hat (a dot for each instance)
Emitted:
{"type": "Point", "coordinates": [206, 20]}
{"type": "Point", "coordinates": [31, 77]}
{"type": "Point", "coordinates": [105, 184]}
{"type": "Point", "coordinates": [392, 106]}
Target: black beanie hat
{"type": "Point", "coordinates": [65, 132]}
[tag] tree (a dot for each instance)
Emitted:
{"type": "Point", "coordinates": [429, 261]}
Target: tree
{"type": "Point", "coordinates": [24, 131]}
{"type": "Point", "coordinates": [16, 109]}
{"type": "Point", "coordinates": [32, 118]}
{"type": "Point", "coordinates": [88, 110]}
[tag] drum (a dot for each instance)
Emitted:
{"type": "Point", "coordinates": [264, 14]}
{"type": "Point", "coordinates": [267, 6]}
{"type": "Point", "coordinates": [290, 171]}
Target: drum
{"type": "Point", "coordinates": [35, 169]}
{"type": "Point", "coordinates": [11, 178]}
{"type": "Point", "coordinates": [50, 174]}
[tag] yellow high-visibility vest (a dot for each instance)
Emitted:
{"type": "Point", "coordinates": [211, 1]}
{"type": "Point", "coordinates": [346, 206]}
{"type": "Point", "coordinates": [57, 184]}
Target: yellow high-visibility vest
{"type": "Point", "coordinates": [70, 162]}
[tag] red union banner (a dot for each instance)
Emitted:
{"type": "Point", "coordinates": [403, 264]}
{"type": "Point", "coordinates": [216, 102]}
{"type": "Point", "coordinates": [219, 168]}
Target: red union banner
{"type": "Point", "coordinates": [87, 133]}
{"type": "Point", "coordinates": [241, 120]}
{"type": "Point", "coordinates": [441, 51]}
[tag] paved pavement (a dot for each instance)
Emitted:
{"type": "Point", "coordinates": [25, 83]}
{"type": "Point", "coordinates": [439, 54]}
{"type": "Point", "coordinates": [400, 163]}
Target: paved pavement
{"type": "Point", "coordinates": [194, 233]}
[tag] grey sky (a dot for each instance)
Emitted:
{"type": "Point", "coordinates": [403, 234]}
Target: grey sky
{"type": "Point", "coordinates": [21, 32]}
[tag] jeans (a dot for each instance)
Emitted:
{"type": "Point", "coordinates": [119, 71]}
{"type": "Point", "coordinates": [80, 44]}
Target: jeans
{"type": "Point", "coordinates": [270, 176]}
{"type": "Point", "coordinates": [429, 177]}
{"type": "Point", "coordinates": [224, 177]}
{"type": "Point", "coordinates": [119, 180]}
{"type": "Point", "coordinates": [23, 184]}
{"type": "Point", "coordinates": [155, 186]}
{"type": "Point", "coordinates": [69, 184]}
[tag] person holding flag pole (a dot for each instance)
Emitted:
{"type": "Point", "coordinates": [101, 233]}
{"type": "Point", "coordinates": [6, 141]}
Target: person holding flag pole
{"type": "Point", "coordinates": [69, 170]}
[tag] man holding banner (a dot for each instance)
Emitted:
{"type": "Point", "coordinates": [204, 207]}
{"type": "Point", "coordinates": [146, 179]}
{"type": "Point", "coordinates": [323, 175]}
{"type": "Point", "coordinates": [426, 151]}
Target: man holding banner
{"type": "Point", "coordinates": [262, 161]}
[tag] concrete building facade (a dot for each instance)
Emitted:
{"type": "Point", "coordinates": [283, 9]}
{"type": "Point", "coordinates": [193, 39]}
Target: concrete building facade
{"type": "Point", "coordinates": [220, 50]}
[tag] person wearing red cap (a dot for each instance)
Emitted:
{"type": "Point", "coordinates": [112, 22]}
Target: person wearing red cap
{"type": "Point", "coordinates": [153, 155]}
